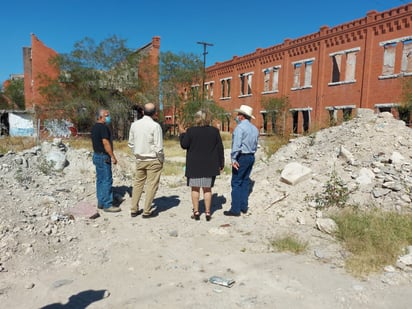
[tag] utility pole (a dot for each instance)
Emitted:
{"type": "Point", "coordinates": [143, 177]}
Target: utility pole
{"type": "Point", "coordinates": [204, 66]}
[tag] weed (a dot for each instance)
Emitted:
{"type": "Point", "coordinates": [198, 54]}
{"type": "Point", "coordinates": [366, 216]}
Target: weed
{"type": "Point", "coordinates": [46, 167]}
{"type": "Point", "coordinates": [289, 243]}
{"type": "Point", "coordinates": [335, 193]}
{"type": "Point", "coordinates": [374, 238]}
{"type": "Point", "coordinates": [21, 178]}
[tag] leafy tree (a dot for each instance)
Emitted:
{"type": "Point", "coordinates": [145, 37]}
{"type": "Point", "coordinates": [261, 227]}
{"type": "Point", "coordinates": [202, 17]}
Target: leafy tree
{"type": "Point", "coordinates": [15, 92]}
{"type": "Point", "coordinates": [95, 75]}
{"type": "Point", "coordinates": [406, 106]}
{"type": "Point", "coordinates": [178, 74]}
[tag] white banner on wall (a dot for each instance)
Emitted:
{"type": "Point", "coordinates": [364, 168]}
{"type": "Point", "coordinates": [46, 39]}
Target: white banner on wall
{"type": "Point", "coordinates": [21, 124]}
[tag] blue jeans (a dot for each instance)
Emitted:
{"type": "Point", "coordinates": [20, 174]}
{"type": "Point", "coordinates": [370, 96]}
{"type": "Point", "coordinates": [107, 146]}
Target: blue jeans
{"type": "Point", "coordinates": [104, 180]}
{"type": "Point", "coordinates": [241, 183]}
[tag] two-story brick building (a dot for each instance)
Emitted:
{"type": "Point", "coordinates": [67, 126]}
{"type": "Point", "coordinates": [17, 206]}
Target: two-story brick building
{"type": "Point", "coordinates": [325, 75]}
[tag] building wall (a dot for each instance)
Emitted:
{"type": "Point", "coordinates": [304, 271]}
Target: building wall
{"type": "Point", "coordinates": [37, 66]}
{"type": "Point", "coordinates": [325, 75]}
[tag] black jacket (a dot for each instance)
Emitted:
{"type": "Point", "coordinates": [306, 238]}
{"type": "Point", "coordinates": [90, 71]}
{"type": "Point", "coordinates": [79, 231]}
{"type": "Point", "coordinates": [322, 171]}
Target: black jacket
{"type": "Point", "coordinates": [204, 151]}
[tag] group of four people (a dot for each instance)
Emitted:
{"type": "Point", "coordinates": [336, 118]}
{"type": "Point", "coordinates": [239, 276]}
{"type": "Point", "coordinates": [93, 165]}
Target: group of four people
{"type": "Point", "coordinates": [204, 160]}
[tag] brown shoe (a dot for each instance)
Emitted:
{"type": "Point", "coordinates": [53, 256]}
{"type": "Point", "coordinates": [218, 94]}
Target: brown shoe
{"type": "Point", "coordinates": [111, 209]}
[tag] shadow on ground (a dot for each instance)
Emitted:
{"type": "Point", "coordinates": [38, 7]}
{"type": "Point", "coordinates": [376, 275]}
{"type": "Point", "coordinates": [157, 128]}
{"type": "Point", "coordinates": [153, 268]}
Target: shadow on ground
{"type": "Point", "coordinates": [79, 301]}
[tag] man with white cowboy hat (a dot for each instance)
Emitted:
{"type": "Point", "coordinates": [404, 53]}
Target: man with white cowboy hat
{"type": "Point", "coordinates": [244, 145]}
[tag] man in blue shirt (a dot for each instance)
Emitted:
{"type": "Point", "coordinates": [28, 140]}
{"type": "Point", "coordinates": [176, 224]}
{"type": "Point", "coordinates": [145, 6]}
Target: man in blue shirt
{"type": "Point", "coordinates": [244, 145]}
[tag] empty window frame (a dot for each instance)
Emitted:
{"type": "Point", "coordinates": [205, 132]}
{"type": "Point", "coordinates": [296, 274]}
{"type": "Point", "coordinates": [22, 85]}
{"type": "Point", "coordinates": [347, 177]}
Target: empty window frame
{"type": "Point", "coordinates": [268, 117]}
{"type": "Point", "coordinates": [209, 90]}
{"type": "Point", "coordinates": [390, 60]}
{"type": "Point", "coordinates": [341, 113]}
{"type": "Point", "coordinates": [195, 92]}
{"type": "Point", "coordinates": [300, 126]}
{"type": "Point", "coordinates": [389, 54]}
{"type": "Point", "coordinates": [271, 79]}
{"type": "Point", "coordinates": [225, 88]}
{"type": "Point", "coordinates": [406, 66]}
{"type": "Point", "coordinates": [344, 66]}
{"type": "Point", "coordinates": [298, 66]}
{"type": "Point", "coordinates": [245, 84]}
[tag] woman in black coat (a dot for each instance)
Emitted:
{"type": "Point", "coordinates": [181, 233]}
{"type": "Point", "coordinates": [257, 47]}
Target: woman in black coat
{"type": "Point", "coordinates": [204, 159]}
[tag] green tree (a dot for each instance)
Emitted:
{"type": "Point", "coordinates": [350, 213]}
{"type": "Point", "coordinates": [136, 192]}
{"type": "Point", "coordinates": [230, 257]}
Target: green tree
{"type": "Point", "coordinates": [95, 75]}
{"type": "Point", "coordinates": [15, 92]}
{"type": "Point", "coordinates": [405, 107]}
{"type": "Point", "coordinates": [178, 74]}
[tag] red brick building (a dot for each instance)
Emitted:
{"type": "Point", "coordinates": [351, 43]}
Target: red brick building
{"type": "Point", "coordinates": [37, 69]}
{"type": "Point", "coordinates": [325, 75]}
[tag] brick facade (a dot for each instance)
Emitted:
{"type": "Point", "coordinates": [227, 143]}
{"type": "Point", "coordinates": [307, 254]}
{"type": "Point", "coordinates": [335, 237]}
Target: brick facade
{"type": "Point", "coordinates": [325, 75]}
{"type": "Point", "coordinates": [37, 65]}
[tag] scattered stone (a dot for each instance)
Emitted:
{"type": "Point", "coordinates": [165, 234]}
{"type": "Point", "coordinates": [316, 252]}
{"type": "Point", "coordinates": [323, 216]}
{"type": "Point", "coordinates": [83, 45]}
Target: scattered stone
{"type": "Point", "coordinates": [294, 173]}
{"type": "Point", "coordinates": [326, 225]}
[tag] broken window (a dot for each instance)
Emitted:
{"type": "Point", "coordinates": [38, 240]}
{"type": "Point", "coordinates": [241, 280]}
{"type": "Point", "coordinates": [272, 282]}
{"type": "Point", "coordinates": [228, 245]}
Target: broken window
{"type": "Point", "coordinates": [350, 66]}
{"type": "Point", "coordinates": [195, 92]}
{"type": "Point", "coordinates": [242, 84]}
{"type": "Point", "coordinates": [297, 71]}
{"type": "Point", "coordinates": [406, 66]}
{"type": "Point", "coordinates": [295, 117]}
{"type": "Point", "coordinates": [344, 65]}
{"type": "Point", "coordinates": [389, 59]}
{"type": "Point", "coordinates": [296, 75]}
{"type": "Point", "coordinates": [347, 114]}
{"type": "Point", "coordinates": [225, 85]}
{"type": "Point", "coordinates": [306, 120]}
{"type": "Point", "coordinates": [209, 90]}
{"type": "Point", "coordinates": [336, 64]}
{"type": "Point", "coordinates": [308, 74]}
{"type": "Point", "coordinates": [271, 79]}
{"type": "Point", "coordinates": [245, 84]}
{"type": "Point", "coordinates": [266, 80]}
{"type": "Point", "coordinates": [304, 124]}
{"type": "Point", "coordinates": [275, 80]}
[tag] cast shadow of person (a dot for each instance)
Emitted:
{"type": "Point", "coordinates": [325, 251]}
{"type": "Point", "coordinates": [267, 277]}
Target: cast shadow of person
{"type": "Point", "coordinates": [217, 203]}
{"type": "Point", "coordinates": [79, 301]}
{"type": "Point", "coordinates": [164, 203]}
{"type": "Point", "coordinates": [119, 194]}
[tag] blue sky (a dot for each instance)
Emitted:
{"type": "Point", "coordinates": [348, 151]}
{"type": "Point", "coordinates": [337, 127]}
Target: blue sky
{"type": "Point", "coordinates": [234, 27]}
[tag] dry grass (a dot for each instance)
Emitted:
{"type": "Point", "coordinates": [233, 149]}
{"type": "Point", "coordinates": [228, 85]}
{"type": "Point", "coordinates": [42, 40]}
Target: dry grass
{"type": "Point", "coordinates": [16, 144]}
{"type": "Point", "coordinates": [374, 238]}
{"type": "Point", "coordinates": [289, 243]}
{"type": "Point", "coordinates": [273, 143]}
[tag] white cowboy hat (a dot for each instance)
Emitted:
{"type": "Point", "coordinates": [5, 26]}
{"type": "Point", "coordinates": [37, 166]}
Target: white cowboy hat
{"type": "Point", "coordinates": [245, 110]}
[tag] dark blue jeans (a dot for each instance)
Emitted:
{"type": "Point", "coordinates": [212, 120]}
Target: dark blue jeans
{"type": "Point", "coordinates": [241, 183]}
{"type": "Point", "coordinates": [104, 180]}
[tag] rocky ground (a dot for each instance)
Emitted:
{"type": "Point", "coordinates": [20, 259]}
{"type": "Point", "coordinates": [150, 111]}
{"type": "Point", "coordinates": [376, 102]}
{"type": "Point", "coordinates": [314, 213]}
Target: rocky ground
{"type": "Point", "coordinates": [54, 253]}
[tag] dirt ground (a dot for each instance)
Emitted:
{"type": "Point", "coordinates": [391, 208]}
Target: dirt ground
{"type": "Point", "coordinates": [115, 261]}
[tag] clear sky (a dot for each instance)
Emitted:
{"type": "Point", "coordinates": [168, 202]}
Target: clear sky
{"type": "Point", "coordinates": [234, 27]}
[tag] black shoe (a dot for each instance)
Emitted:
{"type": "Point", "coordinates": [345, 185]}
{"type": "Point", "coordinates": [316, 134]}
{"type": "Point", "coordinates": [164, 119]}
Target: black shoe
{"type": "Point", "coordinates": [151, 215]}
{"type": "Point", "coordinates": [208, 216]}
{"type": "Point", "coordinates": [135, 214]}
{"type": "Point", "coordinates": [196, 215]}
{"type": "Point", "coordinates": [230, 214]}
{"type": "Point", "coordinates": [244, 211]}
